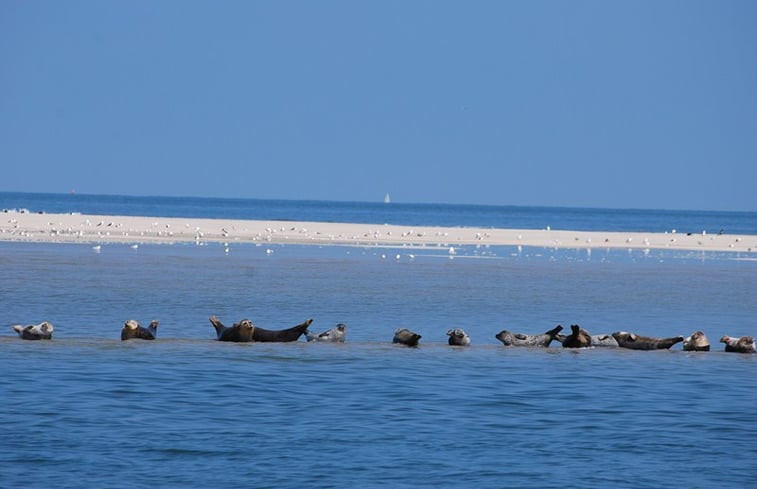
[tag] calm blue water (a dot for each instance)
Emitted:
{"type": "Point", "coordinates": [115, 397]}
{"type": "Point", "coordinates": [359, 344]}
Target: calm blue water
{"type": "Point", "coordinates": [86, 410]}
{"type": "Point", "coordinates": [513, 217]}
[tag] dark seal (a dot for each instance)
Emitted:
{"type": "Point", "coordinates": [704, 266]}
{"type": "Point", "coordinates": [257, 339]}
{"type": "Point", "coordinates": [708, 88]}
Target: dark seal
{"type": "Point", "coordinates": [458, 337]}
{"type": "Point", "coordinates": [578, 338]}
{"type": "Point", "coordinates": [404, 336]}
{"type": "Point", "coordinates": [334, 335]}
{"type": "Point", "coordinates": [133, 330]}
{"type": "Point", "coordinates": [745, 344]}
{"type": "Point", "coordinates": [636, 342]}
{"type": "Point", "coordinates": [281, 335]}
{"type": "Point", "coordinates": [41, 331]}
{"type": "Point", "coordinates": [240, 332]}
{"type": "Point", "coordinates": [509, 338]}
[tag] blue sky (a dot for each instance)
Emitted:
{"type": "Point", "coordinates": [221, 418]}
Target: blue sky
{"type": "Point", "coordinates": [643, 104]}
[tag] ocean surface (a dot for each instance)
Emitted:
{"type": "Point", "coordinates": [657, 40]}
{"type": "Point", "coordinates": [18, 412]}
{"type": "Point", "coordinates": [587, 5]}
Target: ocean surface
{"type": "Point", "coordinates": [86, 410]}
{"type": "Point", "coordinates": [508, 217]}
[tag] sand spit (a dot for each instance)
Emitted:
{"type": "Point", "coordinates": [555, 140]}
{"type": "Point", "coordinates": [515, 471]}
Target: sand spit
{"type": "Point", "coordinates": [82, 228]}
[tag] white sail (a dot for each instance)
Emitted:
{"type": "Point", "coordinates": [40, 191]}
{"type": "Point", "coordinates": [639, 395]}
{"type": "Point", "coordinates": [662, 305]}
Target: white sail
{"type": "Point", "coordinates": [386, 198]}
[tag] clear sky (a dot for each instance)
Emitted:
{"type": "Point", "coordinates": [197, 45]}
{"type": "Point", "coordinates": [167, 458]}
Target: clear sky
{"type": "Point", "coordinates": [625, 104]}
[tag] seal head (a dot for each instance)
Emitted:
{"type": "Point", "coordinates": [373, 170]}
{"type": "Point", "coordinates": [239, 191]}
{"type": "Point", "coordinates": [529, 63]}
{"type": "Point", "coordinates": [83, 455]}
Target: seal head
{"type": "Point", "coordinates": [240, 332]}
{"type": "Point", "coordinates": [744, 344]}
{"type": "Point", "coordinates": [696, 342]}
{"type": "Point", "coordinates": [133, 330]}
{"type": "Point", "coordinates": [458, 337]}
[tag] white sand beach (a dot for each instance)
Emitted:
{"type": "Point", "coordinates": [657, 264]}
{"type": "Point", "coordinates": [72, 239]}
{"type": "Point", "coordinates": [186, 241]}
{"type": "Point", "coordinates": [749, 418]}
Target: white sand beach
{"type": "Point", "coordinates": [82, 228]}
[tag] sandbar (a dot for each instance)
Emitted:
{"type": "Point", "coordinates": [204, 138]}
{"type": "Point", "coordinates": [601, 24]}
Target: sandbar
{"type": "Point", "coordinates": [101, 229]}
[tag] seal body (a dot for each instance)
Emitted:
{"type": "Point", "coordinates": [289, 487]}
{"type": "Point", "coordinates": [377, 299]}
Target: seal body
{"type": "Point", "coordinates": [637, 342]}
{"type": "Point", "coordinates": [509, 338]}
{"type": "Point", "coordinates": [578, 338]}
{"type": "Point", "coordinates": [281, 335]}
{"type": "Point", "coordinates": [240, 332]}
{"type": "Point", "coordinates": [404, 336]}
{"type": "Point", "coordinates": [334, 335]}
{"type": "Point", "coordinates": [696, 342]}
{"type": "Point", "coordinates": [458, 337]}
{"type": "Point", "coordinates": [133, 330]}
{"type": "Point", "coordinates": [604, 340]}
{"type": "Point", "coordinates": [41, 331]}
{"type": "Point", "coordinates": [745, 344]}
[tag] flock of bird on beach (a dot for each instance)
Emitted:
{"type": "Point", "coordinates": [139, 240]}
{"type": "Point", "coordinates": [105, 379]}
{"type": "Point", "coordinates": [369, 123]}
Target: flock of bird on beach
{"type": "Point", "coordinates": [245, 332]}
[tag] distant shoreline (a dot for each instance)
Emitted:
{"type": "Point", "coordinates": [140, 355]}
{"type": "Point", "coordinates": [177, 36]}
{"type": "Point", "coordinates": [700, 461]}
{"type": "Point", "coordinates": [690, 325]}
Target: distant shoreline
{"type": "Point", "coordinates": [91, 228]}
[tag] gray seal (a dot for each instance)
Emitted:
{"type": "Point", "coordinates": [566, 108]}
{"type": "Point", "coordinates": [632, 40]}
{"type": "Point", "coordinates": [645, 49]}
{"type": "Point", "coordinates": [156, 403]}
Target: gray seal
{"type": "Point", "coordinates": [509, 338]}
{"type": "Point", "coordinates": [240, 332]}
{"type": "Point", "coordinates": [404, 336]}
{"type": "Point", "coordinates": [133, 330]}
{"type": "Point", "coordinates": [604, 340]}
{"type": "Point", "coordinates": [637, 342]}
{"type": "Point", "coordinates": [334, 335]}
{"type": "Point", "coordinates": [41, 331]}
{"type": "Point", "coordinates": [696, 342]}
{"type": "Point", "coordinates": [745, 344]}
{"type": "Point", "coordinates": [281, 335]}
{"type": "Point", "coordinates": [458, 337]}
{"type": "Point", "coordinates": [578, 338]}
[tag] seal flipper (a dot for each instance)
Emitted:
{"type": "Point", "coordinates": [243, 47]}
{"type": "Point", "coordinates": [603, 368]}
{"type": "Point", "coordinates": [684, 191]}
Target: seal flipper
{"type": "Point", "coordinates": [218, 325]}
{"type": "Point", "coordinates": [153, 327]}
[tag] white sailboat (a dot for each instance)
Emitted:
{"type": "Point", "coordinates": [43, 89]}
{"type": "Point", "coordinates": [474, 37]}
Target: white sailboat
{"type": "Point", "coordinates": [387, 199]}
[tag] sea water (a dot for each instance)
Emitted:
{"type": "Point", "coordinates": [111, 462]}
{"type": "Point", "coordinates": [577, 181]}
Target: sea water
{"type": "Point", "coordinates": [87, 410]}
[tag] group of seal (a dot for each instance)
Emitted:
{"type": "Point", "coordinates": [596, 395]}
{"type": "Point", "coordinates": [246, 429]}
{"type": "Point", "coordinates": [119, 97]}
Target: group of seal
{"type": "Point", "coordinates": [246, 332]}
{"type": "Point", "coordinates": [580, 338]}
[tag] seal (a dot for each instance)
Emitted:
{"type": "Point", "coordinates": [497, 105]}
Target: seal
{"type": "Point", "coordinates": [597, 340]}
{"type": "Point", "coordinates": [745, 344]}
{"type": "Point", "coordinates": [696, 342]}
{"type": "Point", "coordinates": [458, 337]}
{"type": "Point", "coordinates": [636, 342]}
{"type": "Point", "coordinates": [133, 330]}
{"type": "Point", "coordinates": [281, 335]}
{"type": "Point", "coordinates": [240, 332]}
{"type": "Point", "coordinates": [404, 336]}
{"type": "Point", "coordinates": [578, 338]}
{"type": "Point", "coordinates": [334, 335]}
{"type": "Point", "coordinates": [603, 340]}
{"type": "Point", "coordinates": [519, 339]}
{"type": "Point", "coordinates": [41, 331]}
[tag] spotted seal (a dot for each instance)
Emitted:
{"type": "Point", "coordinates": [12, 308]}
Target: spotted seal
{"type": "Point", "coordinates": [696, 342]}
{"type": "Point", "coordinates": [404, 336]}
{"type": "Point", "coordinates": [637, 342]}
{"type": "Point", "coordinates": [745, 344]}
{"type": "Point", "coordinates": [41, 331]}
{"type": "Point", "coordinates": [133, 330]}
{"type": "Point", "coordinates": [334, 335]}
{"type": "Point", "coordinates": [240, 332]}
{"type": "Point", "coordinates": [458, 337]}
{"type": "Point", "coordinates": [509, 338]}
